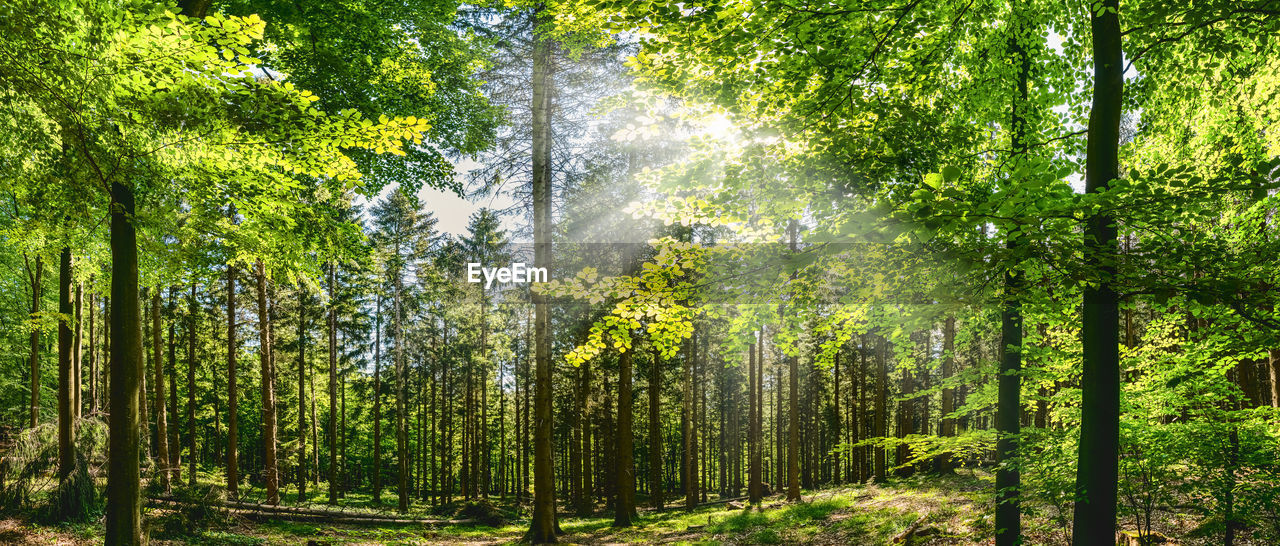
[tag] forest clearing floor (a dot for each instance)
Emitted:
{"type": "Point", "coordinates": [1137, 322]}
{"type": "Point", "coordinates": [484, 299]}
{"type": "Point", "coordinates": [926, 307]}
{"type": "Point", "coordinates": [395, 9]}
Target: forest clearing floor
{"type": "Point", "coordinates": [921, 510]}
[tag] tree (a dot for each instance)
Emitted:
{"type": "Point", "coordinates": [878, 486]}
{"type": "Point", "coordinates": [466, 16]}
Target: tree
{"type": "Point", "coordinates": [542, 526]}
{"type": "Point", "coordinates": [1098, 469]}
{"type": "Point", "coordinates": [625, 506]}
{"type": "Point", "coordinates": [265, 359]}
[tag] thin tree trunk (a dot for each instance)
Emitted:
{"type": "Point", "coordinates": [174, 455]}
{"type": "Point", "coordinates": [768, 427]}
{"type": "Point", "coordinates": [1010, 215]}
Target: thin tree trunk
{"type": "Point", "coordinates": [947, 425]}
{"type": "Point", "coordinates": [162, 431]}
{"type": "Point", "coordinates": [881, 407]}
{"type": "Point", "coordinates": [233, 436]}
{"type": "Point", "coordinates": [655, 431]}
{"type": "Point", "coordinates": [175, 441]}
{"type": "Point", "coordinates": [302, 395]}
{"type": "Point", "coordinates": [377, 402]}
{"type": "Point", "coordinates": [1097, 473]}
{"type": "Point", "coordinates": [35, 340]}
{"type": "Point", "coordinates": [93, 354]}
{"type": "Point", "coordinates": [686, 429]}
{"type": "Point", "coordinates": [77, 383]}
{"type": "Point", "coordinates": [66, 413]}
{"type": "Point", "coordinates": [402, 451]}
{"type": "Point", "coordinates": [331, 431]}
{"type": "Point", "coordinates": [191, 384]}
{"type": "Point", "coordinates": [754, 491]}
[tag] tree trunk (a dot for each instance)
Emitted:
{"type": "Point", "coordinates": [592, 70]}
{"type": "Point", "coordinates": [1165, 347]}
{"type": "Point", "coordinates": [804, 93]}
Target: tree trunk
{"type": "Point", "coordinates": [686, 427]}
{"type": "Point", "coordinates": [542, 526]}
{"type": "Point", "coordinates": [175, 442]}
{"type": "Point", "coordinates": [124, 516]}
{"type": "Point", "coordinates": [402, 451]}
{"type": "Point", "coordinates": [35, 340]}
{"type": "Point", "coordinates": [162, 430]}
{"type": "Point", "coordinates": [233, 471]}
{"type": "Point", "coordinates": [377, 403]}
{"type": "Point", "coordinates": [93, 355]}
{"type": "Point", "coordinates": [331, 430]}
{"type": "Point", "coordinates": [625, 506]}
{"type": "Point", "coordinates": [881, 408]}
{"type": "Point", "coordinates": [77, 384]}
{"type": "Point", "coordinates": [754, 491]}
{"type": "Point", "coordinates": [302, 395]}
{"type": "Point", "coordinates": [947, 425]}
{"type": "Point", "coordinates": [191, 384]}
{"type": "Point", "coordinates": [1097, 473]}
{"type": "Point", "coordinates": [66, 412]}
{"type": "Point", "coordinates": [270, 469]}
{"type": "Point", "coordinates": [655, 431]}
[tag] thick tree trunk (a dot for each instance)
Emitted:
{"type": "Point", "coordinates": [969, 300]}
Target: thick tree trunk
{"type": "Point", "coordinates": [625, 506]}
{"type": "Point", "coordinates": [1097, 473]}
{"type": "Point", "coordinates": [271, 470]}
{"type": "Point", "coordinates": [124, 516]}
{"type": "Point", "coordinates": [542, 526]}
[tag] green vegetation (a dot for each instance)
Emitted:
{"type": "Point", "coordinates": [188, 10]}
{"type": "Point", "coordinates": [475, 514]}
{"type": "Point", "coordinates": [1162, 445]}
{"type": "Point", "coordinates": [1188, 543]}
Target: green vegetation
{"type": "Point", "coordinates": [821, 271]}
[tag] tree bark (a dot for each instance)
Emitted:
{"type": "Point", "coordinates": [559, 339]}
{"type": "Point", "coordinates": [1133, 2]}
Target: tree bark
{"type": "Point", "coordinates": [402, 447]}
{"type": "Point", "coordinates": [542, 526]}
{"type": "Point", "coordinates": [271, 470]}
{"type": "Point", "coordinates": [77, 384]}
{"type": "Point", "coordinates": [93, 354]}
{"type": "Point", "coordinates": [191, 384]}
{"type": "Point", "coordinates": [1097, 473]}
{"type": "Point", "coordinates": [947, 425]}
{"type": "Point", "coordinates": [655, 431]}
{"type": "Point", "coordinates": [754, 491]}
{"type": "Point", "coordinates": [302, 395]}
{"type": "Point", "coordinates": [625, 506]}
{"type": "Point", "coordinates": [35, 340]}
{"type": "Point", "coordinates": [377, 402]}
{"type": "Point", "coordinates": [66, 412]}
{"type": "Point", "coordinates": [880, 407]}
{"type": "Point", "coordinates": [175, 442]}
{"type": "Point", "coordinates": [233, 470]}
{"type": "Point", "coordinates": [331, 431]}
{"type": "Point", "coordinates": [124, 516]}
{"type": "Point", "coordinates": [158, 402]}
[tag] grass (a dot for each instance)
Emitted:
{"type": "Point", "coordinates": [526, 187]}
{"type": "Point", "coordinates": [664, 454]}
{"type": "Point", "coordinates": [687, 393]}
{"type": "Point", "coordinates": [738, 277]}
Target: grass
{"type": "Point", "coordinates": [864, 514]}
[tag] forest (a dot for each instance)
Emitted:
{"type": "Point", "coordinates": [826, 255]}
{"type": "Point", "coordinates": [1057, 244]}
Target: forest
{"type": "Point", "coordinates": [640, 271]}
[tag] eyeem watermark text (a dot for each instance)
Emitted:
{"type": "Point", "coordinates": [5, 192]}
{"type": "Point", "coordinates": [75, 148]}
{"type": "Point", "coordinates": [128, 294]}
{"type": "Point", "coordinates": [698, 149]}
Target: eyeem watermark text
{"type": "Point", "coordinates": [517, 273]}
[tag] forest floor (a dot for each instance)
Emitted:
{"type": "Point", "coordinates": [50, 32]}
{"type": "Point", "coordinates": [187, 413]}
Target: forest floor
{"type": "Point", "coordinates": [926, 510]}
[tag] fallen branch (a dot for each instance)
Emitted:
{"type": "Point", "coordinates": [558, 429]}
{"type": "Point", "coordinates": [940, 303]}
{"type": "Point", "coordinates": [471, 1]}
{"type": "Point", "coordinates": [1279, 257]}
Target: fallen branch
{"type": "Point", "coordinates": [264, 511]}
